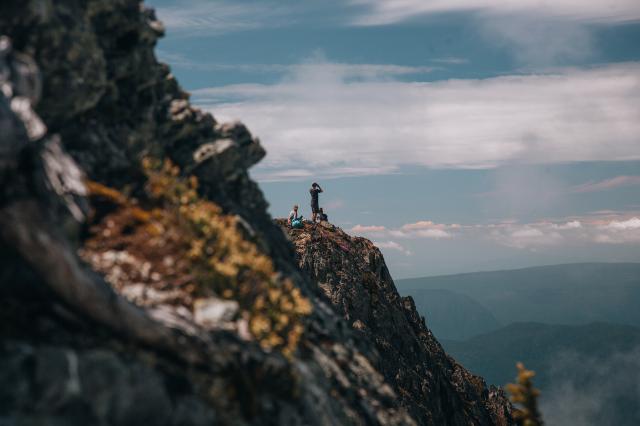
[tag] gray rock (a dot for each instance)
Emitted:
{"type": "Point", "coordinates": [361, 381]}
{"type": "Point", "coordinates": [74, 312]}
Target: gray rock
{"type": "Point", "coordinates": [434, 389]}
{"type": "Point", "coordinates": [213, 312]}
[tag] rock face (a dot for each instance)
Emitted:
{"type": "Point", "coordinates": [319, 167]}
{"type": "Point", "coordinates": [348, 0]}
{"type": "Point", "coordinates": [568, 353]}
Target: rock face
{"type": "Point", "coordinates": [142, 280]}
{"type": "Point", "coordinates": [352, 274]}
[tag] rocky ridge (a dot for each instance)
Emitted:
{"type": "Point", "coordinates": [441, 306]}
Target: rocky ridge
{"type": "Point", "coordinates": [352, 275]}
{"type": "Point", "coordinates": [100, 153]}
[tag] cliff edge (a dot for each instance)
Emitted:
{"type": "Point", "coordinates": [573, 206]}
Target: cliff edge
{"type": "Point", "coordinates": [351, 273]}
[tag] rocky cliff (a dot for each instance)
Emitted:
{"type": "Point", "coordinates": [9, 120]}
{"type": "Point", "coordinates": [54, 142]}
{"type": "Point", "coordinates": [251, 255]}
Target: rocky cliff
{"type": "Point", "coordinates": [351, 273]}
{"type": "Point", "coordinates": [141, 278]}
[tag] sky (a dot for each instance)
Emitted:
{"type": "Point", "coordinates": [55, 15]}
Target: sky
{"type": "Point", "coordinates": [458, 135]}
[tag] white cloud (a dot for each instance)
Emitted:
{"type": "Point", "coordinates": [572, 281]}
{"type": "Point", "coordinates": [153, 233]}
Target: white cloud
{"type": "Point", "coordinates": [527, 236]}
{"type": "Point", "coordinates": [392, 245]}
{"type": "Point", "coordinates": [538, 32]}
{"type": "Point", "coordinates": [372, 229]}
{"type": "Point", "coordinates": [422, 224]}
{"type": "Point", "coordinates": [450, 60]}
{"type": "Point", "coordinates": [619, 232]}
{"type": "Point", "coordinates": [424, 229]}
{"type": "Point", "coordinates": [574, 224]}
{"type": "Point", "coordinates": [536, 42]}
{"type": "Point", "coordinates": [433, 233]}
{"type": "Point", "coordinates": [590, 229]}
{"type": "Point", "coordinates": [316, 65]}
{"type": "Point", "coordinates": [383, 12]}
{"type": "Point", "coordinates": [419, 230]}
{"type": "Point", "coordinates": [322, 121]}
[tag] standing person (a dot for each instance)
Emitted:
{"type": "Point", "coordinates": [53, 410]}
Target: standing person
{"type": "Point", "coordinates": [293, 215]}
{"type": "Point", "coordinates": [315, 205]}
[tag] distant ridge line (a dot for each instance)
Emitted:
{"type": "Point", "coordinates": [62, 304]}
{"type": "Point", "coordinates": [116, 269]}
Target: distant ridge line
{"type": "Point", "coordinates": [526, 268]}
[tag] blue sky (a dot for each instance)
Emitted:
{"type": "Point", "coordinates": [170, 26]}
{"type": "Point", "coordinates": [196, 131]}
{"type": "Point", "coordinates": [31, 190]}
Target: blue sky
{"type": "Point", "coordinates": [459, 135]}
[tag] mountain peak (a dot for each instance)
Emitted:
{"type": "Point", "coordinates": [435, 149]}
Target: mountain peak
{"type": "Point", "coordinates": [352, 276]}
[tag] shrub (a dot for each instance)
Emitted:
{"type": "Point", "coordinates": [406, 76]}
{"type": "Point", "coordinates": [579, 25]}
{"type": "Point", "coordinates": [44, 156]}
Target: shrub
{"type": "Point", "coordinates": [526, 396]}
{"type": "Point", "coordinates": [186, 244]}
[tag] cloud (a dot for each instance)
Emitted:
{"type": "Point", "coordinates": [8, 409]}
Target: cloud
{"type": "Point", "coordinates": [419, 230]}
{"type": "Point", "coordinates": [422, 224]}
{"type": "Point", "coordinates": [424, 229]}
{"type": "Point", "coordinates": [528, 236]}
{"type": "Point", "coordinates": [433, 233]}
{"type": "Point", "coordinates": [450, 60]}
{"type": "Point", "coordinates": [574, 224]}
{"type": "Point", "coordinates": [538, 33]}
{"type": "Point", "coordinates": [384, 12]}
{"type": "Point", "coordinates": [633, 223]}
{"type": "Point", "coordinates": [315, 65]}
{"type": "Point", "coordinates": [536, 42]}
{"type": "Point", "coordinates": [337, 120]}
{"type": "Point", "coordinates": [600, 228]}
{"type": "Point", "coordinates": [592, 390]}
{"type": "Point", "coordinates": [392, 245]}
{"type": "Point", "coordinates": [607, 184]}
{"type": "Point", "coordinates": [371, 229]}
{"type": "Point", "coordinates": [588, 230]}
{"type": "Point", "coordinates": [619, 232]}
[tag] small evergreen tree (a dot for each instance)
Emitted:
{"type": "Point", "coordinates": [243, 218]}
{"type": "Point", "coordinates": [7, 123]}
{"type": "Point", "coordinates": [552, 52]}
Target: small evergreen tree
{"type": "Point", "coordinates": [525, 396]}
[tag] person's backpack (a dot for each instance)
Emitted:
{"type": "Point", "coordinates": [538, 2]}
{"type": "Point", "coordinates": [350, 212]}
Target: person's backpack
{"type": "Point", "coordinates": [297, 223]}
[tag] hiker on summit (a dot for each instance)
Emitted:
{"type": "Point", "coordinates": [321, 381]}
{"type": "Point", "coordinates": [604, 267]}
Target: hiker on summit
{"type": "Point", "coordinates": [315, 206]}
{"type": "Point", "coordinates": [293, 215]}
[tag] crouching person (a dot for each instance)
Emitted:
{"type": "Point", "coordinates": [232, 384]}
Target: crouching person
{"type": "Point", "coordinates": [294, 221]}
{"type": "Point", "coordinates": [323, 216]}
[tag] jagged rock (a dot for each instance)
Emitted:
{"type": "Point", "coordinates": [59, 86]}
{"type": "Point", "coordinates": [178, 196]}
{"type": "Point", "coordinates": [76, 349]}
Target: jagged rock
{"type": "Point", "coordinates": [63, 386]}
{"type": "Point", "coordinates": [86, 343]}
{"type": "Point", "coordinates": [352, 274]}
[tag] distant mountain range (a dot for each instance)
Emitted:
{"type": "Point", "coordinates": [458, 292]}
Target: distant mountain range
{"type": "Point", "coordinates": [494, 355]}
{"type": "Point", "coordinates": [453, 315]}
{"type": "Point", "coordinates": [560, 294]}
{"type": "Point", "coordinates": [576, 325]}
{"type": "Point", "coordinates": [588, 374]}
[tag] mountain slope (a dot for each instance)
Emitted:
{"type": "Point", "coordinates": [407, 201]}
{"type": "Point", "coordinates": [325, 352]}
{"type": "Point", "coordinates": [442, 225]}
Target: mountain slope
{"type": "Point", "coordinates": [351, 273]}
{"type": "Point", "coordinates": [559, 294]}
{"type": "Point", "coordinates": [452, 315]}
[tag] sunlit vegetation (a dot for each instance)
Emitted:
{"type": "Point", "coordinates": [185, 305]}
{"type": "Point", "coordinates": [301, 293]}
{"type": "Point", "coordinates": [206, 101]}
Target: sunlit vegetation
{"type": "Point", "coordinates": [172, 239]}
{"type": "Point", "coordinates": [525, 396]}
